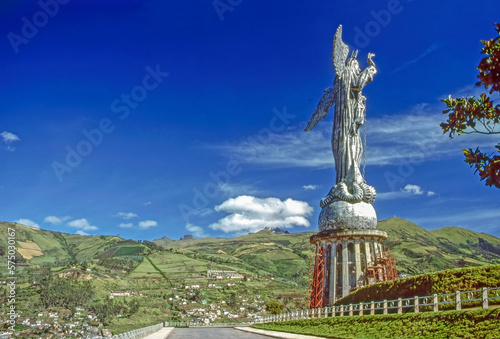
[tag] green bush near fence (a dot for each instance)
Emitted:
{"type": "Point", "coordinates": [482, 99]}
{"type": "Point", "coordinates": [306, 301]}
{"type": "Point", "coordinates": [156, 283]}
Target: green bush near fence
{"type": "Point", "coordinates": [483, 323]}
{"type": "Point", "coordinates": [449, 281]}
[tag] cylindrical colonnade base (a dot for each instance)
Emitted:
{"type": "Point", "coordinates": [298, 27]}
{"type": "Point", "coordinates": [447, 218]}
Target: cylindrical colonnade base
{"type": "Point", "coordinates": [346, 260]}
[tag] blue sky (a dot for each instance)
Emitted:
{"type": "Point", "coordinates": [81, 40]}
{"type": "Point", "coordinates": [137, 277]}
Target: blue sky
{"type": "Point", "coordinates": [163, 118]}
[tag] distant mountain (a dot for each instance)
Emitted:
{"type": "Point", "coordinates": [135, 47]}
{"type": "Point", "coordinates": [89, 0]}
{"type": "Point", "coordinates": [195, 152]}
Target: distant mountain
{"type": "Point", "coordinates": [163, 241]}
{"type": "Point", "coordinates": [187, 237]}
{"type": "Point", "coordinates": [269, 252]}
{"type": "Point", "coordinates": [277, 230]}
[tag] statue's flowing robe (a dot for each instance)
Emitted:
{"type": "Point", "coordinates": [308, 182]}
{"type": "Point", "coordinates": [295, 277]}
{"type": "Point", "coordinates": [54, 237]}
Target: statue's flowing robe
{"type": "Point", "coordinates": [347, 145]}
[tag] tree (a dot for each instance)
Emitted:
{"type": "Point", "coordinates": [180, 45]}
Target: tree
{"type": "Point", "coordinates": [63, 292]}
{"type": "Point", "coordinates": [233, 299]}
{"type": "Point", "coordinates": [104, 310]}
{"type": "Point", "coordinates": [470, 115]}
{"type": "Point", "coordinates": [274, 307]}
{"type": "Point", "coordinates": [134, 306]}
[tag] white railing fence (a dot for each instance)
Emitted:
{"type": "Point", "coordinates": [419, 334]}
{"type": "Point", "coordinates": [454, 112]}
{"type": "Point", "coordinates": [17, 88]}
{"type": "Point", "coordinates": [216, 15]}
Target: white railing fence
{"type": "Point", "coordinates": [134, 334]}
{"type": "Point", "coordinates": [459, 300]}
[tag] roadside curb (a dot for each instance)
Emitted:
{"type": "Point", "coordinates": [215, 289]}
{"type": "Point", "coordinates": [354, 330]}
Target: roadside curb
{"type": "Point", "coordinates": [276, 334]}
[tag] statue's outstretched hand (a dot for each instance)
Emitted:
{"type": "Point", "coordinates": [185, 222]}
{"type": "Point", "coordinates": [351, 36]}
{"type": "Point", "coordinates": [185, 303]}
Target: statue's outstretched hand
{"type": "Point", "coordinates": [370, 61]}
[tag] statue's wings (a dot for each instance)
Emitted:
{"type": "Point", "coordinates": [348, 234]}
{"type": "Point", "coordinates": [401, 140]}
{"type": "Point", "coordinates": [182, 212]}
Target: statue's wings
{"type": "Point", "coordinates": [340, 52]}
{"type": "Point", "coordinates": [322, 109]}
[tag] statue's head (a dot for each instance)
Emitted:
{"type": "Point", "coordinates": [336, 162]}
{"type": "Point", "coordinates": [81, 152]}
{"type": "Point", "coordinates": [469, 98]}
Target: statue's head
{"type": "Point", "coordinates": [353, 63]}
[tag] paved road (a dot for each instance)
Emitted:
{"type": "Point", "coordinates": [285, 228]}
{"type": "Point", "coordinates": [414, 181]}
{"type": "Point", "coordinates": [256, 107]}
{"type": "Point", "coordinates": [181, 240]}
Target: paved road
{"type": "Point", "coordinates": [216, 333]}
{"type": "Point", "coordinates": [161, 334]}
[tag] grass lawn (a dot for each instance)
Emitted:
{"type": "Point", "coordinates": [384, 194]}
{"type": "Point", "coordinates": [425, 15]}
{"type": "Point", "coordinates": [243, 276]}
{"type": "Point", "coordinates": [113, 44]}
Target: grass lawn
{"type": "Point", "coordinates": [482, 323]}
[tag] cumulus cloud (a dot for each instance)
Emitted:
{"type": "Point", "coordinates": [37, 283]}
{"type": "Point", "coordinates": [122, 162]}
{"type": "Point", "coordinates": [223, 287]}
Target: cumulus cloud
{"type": "Point", "coordinates": [413, 189]}
{"type": "Point", "coordinates": [406, 192]}
{"type": "Point", "coordinates": [196, 231]}
{"type": "Point", "coordinates": [310, 187]}
{"type": "Point", "coordinates": [82, 224]}
{"type": "Point", "coordinates": [80, 232]}
{"type": "Point", "coordinates": [27, 222]}
{"type": "Point", "coordinates": [126, 225]}
{"type": "Point", "coordinates": [126, 215]}
{"type": "Point", "coordinates": [52, 219]}
{"type": "Point", "coordinates": [251, 214]}
{"type": "Point", "coordinates": [147, 224]}
{"type": "Point", "coordinates": [8, 138]}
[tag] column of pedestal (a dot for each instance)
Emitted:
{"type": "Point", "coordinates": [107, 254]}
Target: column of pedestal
{"type": "Point", "coordinates": [381, 249]}
{"type": "Point", "coordinates": [333, 274]}
{"type": "Point", "coordinates": [345, 269]}
{"type": "Point", "coordinates": [325, 271]}
{"type": "Point", "coordinates": [322, 251]}
{"type": "Point", "coordinates": [376, 250]}
{"type": "Point", "coordinates": [368, 253]}
{"type": "Point", "coordinates": [357, 262]}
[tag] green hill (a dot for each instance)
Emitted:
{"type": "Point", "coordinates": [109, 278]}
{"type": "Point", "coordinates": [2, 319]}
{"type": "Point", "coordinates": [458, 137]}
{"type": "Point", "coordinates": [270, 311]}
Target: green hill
{"type": "Point", "coordinates": [418, 250]}
{"type": "Point", "coordinates": [42, 247]}
{"type": "Point", "coordinates": [286, 257]}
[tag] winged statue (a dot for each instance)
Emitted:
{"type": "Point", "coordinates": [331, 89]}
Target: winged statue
{"type": "Point", "coordinates": [349, 116]}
